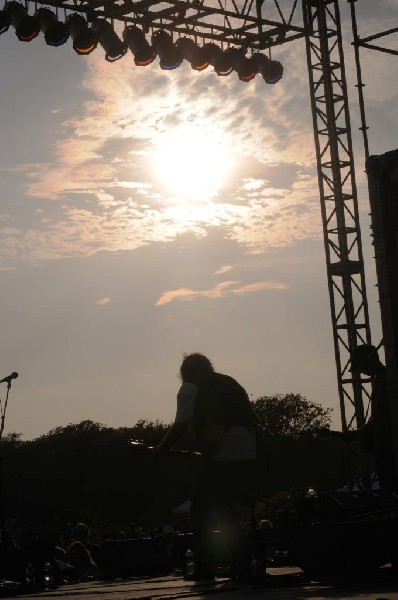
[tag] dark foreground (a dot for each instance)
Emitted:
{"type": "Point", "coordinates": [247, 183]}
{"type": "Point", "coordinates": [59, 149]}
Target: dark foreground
{"type": "Point", "coordinates": [282, 583]}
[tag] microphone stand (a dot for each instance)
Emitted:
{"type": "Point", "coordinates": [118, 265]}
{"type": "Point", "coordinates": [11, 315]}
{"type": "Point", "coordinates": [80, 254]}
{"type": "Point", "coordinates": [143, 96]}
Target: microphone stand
{"type": "Point", "coordinates": [5, 542]}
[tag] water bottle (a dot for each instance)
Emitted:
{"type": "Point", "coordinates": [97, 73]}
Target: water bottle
{"type": "Point", "coordinates": [189, 563]}
{"type": "Point", "coordinates": [48, 573]}
{"type": "Point", "coordinates": [30, 575]}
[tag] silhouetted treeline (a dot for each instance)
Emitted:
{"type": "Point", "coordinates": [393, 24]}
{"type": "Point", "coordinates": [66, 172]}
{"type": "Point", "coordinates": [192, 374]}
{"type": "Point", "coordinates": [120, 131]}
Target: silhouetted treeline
{"type": "Point", "coordinates": [89, 472]}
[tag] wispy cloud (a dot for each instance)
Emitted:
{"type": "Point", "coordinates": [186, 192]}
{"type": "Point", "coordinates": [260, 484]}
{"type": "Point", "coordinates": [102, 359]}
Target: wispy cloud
{"type": "Point", "coordinates": [103, 301]}
{"type": "Point", "coordinates": [259, 286]}
{"type": "Point", "coordinates": [26, 168]}
{"type": "Point", "coordinates": [220, 290]}
{"type": "Point", "coordinates": [224, 269]}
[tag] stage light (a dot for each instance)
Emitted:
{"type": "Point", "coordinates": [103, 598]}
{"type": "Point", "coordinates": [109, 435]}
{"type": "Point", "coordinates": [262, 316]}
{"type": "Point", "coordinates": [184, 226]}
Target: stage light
{"type": "Point", "coordinates": [26, 26]}
{"type": "Point", "coordinates": [110, 41]}
{"type": "Point", "coordinates": [5, 20]}
{"type": "Point", "coordinates": [235, 59]}
{"type": "Point", "coordinates": [84, 38]}
{"type": "Point", "coordinates": [143, 52]}
{"type": "Point", "coordinates": [194, 54]}
{"type": "Point", "coordinates": [247, 69]}
{"type": "Point", "coordinates": [170, 56]}
{"type": "Point", "coordinates": [210, 51]}
{"type": "Point", "coordinates": [270, 70]}
{"type": "Point", "coordinates": [223, 61]}
{"type": "Point", "coordinates": [55, 32]}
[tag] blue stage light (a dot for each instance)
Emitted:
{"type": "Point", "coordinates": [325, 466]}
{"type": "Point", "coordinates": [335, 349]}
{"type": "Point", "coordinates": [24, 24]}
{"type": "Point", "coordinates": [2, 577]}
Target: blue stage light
{"type": "Point", "coordinates": [270, 70]}
{"type": "Point", "coordinates": [55, 32]}
{"type": "Point", "coordinates": [170, 57]}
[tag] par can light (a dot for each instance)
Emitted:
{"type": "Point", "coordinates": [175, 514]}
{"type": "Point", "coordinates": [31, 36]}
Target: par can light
{"type": "Point", "coordinates": [26, 26]}
{"type": "Point", "coordinates": [270, 70]}
{"type": "Point", "coordinates": [170, 57]}
{"type": "Point", "coordinates": [210, 51]}
{"type": "Point", "coordinates": [144, 54]}
{"type": "Point", "coordinates": [221, 60]}
{"type": "Point", "coordinates": [5, 20]}
{"type": "Point", "coordinates": [84, 38]}
{"type": "Point", "coordinates": [110, 41]}
{"type": "Point", "coordinates": [194, 54]}
{"type": "Point", "coordinates": [246, 68]}
{"type": "Point", "coordinates": [55, 32]}
{"type": "Point", "coordinates": [224, 63]}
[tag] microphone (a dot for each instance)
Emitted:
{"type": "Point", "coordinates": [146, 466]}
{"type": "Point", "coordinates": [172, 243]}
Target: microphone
{"type": "Point", "coordinates": [9, 377]}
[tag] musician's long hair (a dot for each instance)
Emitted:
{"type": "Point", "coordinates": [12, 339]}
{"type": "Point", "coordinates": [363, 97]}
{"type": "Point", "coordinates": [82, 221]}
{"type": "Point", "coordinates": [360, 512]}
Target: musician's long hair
{"type": "Point", "coordinates": [195, 367]}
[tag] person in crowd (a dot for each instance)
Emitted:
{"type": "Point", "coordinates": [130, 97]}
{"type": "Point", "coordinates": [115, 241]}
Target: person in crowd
{"type": "Point", "coordinates": [165, 539]}
{"type": "Point", "coordinates": [217, 411]}
{"type": "Point", "coordinates": [79, 552]}
{"type": "Point", "coordinates": [81, 533]}
{"type": "Point", "coordinates": [376, 434]}
{"type": "Point", "coordinates": [67, 573]}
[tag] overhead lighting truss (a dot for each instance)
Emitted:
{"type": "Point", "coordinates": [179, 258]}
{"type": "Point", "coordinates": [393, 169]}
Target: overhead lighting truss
{"type": "Point", "coordinates": [226, 34]}
{"type": "Point", "coordinates": [253, 24]}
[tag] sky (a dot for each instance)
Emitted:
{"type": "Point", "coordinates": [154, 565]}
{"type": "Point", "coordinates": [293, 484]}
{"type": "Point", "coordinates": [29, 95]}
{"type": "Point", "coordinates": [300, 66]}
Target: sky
{"type": "Point", "coordinates": [145, 214]}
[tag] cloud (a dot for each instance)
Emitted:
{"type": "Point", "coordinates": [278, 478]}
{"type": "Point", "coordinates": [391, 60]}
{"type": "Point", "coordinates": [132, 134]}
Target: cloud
{"type": "Point", "coordinates": [103, 301]}
{"type": "Point", "coordinates": [26, 168]}
{"type": "Point", "coordinates": [103, 187]}
{"type": "Point", "coordinates": [220, 290]}
{"type": "Point", "coordinates": [223, 270]}
{"type": "Point", "coordinates": [259, 287]}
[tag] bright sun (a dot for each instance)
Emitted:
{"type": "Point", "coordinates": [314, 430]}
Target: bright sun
{"type": "Point", "coordinates": [192, 162]}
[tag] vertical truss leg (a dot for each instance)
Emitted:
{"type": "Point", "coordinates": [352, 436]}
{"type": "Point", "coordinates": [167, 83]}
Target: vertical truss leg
{"type": "Point", "coordinates": [339, 204]}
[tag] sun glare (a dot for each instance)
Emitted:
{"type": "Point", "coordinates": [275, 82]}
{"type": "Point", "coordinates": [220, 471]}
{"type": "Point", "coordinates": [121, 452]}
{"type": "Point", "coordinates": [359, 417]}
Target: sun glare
{"type": "Point", "coordinates": [192, 163]}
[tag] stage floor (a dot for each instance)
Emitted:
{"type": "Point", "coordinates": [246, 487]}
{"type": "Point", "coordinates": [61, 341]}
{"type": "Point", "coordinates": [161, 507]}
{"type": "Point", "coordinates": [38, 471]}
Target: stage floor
{"type": "Point", "coordinates": [287, 583]}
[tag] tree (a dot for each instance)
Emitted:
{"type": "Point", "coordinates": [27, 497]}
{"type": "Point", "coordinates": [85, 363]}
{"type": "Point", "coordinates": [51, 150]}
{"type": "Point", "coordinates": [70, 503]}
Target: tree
{"type": "Point", "coordinates": [149, 432]}
{"type": "Point", "coordinates": [13, 438]}
{"type": "Point", "coordinates": [82, 428]}
{"type": "Point", "coordinates": [90, 469]}
{"type": "Point", "coordinates": [290, 415]}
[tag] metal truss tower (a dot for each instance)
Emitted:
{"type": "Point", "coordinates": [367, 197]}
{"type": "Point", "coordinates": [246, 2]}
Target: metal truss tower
{"type": "Point", "coordinates": [261, 25]}
{"type": "Point", "coordinates": [338, 196]}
